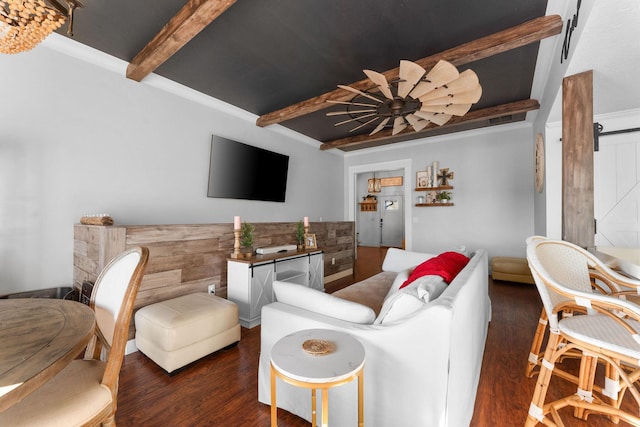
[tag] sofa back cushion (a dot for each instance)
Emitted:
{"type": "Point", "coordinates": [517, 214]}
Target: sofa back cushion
{"type": "Point", "coordinates": [399, 259]}
{"type": "Point", "coordinates": [319, 302]}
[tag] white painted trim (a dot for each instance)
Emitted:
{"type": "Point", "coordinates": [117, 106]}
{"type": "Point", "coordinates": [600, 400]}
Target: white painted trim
{"type": "Point", "coordinates": [131, 347]}
{"type": "Point", "coordinates": [405, 164]}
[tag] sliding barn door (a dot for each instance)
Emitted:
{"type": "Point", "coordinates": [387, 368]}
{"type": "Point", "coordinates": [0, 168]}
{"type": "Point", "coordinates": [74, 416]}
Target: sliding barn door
{"type": "Point", "coordinates": [617, 191]}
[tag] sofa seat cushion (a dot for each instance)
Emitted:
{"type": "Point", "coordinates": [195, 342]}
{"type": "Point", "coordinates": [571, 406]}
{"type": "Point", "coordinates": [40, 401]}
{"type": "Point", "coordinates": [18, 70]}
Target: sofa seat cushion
{"type": "Point", "coordinates": [370, 292]}
{"type": "Point", "coordinates": [322, 303]}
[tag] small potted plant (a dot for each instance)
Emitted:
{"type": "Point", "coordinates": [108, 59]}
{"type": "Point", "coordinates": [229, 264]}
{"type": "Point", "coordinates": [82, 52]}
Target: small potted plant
{"type": "Point", "coordinates": [443, 196]}
{"type": "Point", "coordinates": [300, 234]}
{"type": "Point", "coordinates": [246, 238]}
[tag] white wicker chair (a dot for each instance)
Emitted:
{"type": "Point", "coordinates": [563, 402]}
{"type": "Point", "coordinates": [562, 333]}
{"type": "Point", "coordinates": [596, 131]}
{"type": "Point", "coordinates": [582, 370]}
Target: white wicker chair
{"type": "Point", "coordinates": [608, 332]}
{"type": "Point", "coordinates": [603, 280]}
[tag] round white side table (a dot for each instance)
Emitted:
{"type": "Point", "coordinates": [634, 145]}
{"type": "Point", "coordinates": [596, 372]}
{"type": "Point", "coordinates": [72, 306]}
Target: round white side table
{"type": "Point", "coordinates": [296, 366]}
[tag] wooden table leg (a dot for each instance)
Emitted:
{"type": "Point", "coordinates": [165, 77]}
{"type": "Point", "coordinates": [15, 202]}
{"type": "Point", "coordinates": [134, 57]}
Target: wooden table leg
{"type": "Point", "coordinates": [325, 407]}
{"type": "Point", "coordinates": [313, 407]}
{"type": "Point", "coordinates": [361, 398]}
{"type": "Point", "coordinates": [274, 406]}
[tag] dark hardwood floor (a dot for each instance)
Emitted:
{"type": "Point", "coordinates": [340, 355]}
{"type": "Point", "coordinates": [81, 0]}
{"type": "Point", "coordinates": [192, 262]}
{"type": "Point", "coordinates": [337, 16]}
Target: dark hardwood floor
{"type": "Point", "coordinates": [221, 389]}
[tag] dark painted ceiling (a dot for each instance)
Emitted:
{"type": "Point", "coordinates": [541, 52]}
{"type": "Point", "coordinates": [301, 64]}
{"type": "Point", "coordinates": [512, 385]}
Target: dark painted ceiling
{"type": "Point", "coordinates": [265, 55]}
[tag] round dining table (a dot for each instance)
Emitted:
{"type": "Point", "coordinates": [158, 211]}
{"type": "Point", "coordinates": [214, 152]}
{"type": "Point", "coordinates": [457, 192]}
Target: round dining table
{"type": "Point", "coordinates": [38, 338]}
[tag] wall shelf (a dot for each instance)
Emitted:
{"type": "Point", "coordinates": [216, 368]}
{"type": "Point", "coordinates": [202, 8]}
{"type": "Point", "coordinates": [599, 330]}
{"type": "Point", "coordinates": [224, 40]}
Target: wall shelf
{"type": "Point", "coordinates": [445, 187]}
{"type": "Point", "coordinates": [368, 206]}
{"type": "Point", "coordinates": [420, 205]}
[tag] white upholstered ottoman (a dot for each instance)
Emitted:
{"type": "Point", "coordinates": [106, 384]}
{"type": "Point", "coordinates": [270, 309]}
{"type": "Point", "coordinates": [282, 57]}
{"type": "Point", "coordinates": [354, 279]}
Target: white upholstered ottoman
{"type": "Point", "coordinates": [178, 331]}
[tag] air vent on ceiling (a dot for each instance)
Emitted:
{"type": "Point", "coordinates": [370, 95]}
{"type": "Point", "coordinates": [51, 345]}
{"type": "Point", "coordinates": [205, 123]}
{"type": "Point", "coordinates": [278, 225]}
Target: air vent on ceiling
{"type": "Point", "coordinates": [503, 119]}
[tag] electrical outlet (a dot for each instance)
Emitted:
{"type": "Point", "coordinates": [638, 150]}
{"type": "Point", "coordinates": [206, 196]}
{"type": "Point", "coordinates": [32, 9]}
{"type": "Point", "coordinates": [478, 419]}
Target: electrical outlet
{"type": "Point", "coordinates": [333, 261]}
{"type": "Point", "coordinates": [212, 289]}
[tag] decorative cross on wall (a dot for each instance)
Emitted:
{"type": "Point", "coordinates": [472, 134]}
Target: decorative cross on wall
{"type": "Point", "coordinates": [444, 176]}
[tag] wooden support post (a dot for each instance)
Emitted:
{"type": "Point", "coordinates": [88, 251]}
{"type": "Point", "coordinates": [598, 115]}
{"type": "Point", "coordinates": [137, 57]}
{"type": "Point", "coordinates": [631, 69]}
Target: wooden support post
{"type": "Point", "coordinates": [578, 219]}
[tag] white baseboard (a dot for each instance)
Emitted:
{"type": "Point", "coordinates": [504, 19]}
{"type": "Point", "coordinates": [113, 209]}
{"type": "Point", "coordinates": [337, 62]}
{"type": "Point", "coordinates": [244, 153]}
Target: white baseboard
{"type": "Point", "coordinates": [131, 347]}
{"type": "Point", "coordinates": [339, 275]}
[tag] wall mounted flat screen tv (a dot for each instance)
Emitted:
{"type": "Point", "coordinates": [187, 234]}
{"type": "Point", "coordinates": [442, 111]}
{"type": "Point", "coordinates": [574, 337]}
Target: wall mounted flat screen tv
{"type": "Point", "coordinates": [241, 171]}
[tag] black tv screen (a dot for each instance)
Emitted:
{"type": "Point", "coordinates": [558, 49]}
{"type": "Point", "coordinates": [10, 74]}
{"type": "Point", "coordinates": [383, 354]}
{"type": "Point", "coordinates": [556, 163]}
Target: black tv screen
{"type": "Point", "coordinates": [241, 171]}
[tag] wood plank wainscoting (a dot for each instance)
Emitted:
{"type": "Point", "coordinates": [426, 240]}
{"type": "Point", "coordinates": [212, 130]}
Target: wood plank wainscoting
{"type": "Point", "coordinates": [187, 258]}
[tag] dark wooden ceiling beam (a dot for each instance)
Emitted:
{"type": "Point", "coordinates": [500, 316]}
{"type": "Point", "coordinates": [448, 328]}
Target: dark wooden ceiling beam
{"type": "Point", "coordinates": [511, 108]}
{"type": "Point", "coordinates": [502, 41]}
{"type": "Point", "coordinates": [192, 18]}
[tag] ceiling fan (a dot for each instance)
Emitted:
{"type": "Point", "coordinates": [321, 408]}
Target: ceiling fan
{"type": "Point", "coordinates": [415, 98]}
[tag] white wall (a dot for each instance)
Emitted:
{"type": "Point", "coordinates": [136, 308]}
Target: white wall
{"type": "Point", "coordinates": [611, 122]}
{"type": "Point", "coordinates": [493, 189]}
{"type": "Point", "coordinates": [79, 138]}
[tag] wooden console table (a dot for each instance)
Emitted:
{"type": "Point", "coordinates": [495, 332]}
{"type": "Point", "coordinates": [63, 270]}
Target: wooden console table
{"type": "Point", "coordinates": [250, 280]}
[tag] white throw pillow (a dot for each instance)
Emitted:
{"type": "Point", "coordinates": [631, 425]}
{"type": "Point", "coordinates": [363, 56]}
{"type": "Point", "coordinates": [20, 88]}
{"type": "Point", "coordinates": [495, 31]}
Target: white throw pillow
{"type": "Point", "coordinates": [411, 298]}
{"type": "Point", "coordinates": [399, 305]}
{"type": "Point", "coordinates": [319, 302]}
{"type": "Point", "coordinates": [401, 277]}
{"type": "Point", "coordinates": [434, 286]}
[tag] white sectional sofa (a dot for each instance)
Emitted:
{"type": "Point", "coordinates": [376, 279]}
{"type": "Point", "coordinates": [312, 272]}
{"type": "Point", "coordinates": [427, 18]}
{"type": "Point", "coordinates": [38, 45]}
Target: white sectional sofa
{"type": "Point", "coordinates": [421, 369]}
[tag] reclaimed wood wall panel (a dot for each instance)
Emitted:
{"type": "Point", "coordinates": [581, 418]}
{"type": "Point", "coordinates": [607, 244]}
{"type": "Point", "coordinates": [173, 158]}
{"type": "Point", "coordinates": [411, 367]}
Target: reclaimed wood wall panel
{"type": "Point", "coordinates": [187, 258]}
{"type": "Point", "coordinates": [578, 211]}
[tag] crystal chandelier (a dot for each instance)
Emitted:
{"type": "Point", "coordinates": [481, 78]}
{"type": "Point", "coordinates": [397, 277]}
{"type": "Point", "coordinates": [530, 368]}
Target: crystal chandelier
{"type": "Point", "coordinates": [25, 23]}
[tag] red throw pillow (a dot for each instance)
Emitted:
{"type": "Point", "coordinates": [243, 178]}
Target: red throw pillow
{"type": "Point", "coordinates": [446, 265]}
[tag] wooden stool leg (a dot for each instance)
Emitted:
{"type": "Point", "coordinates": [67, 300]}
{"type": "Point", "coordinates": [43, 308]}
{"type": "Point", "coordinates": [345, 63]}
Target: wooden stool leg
{"type": "Point", "coordinates": [313, 407]}
{"type": "Point", "coordinates": [325, 407]}
{"type": "Point", "coordinates": [274, 407]}
{"type": "Point", "coordinates": [361, 398]}
{"type": "Point", "coordinates": [588, 365]}
{"type": "Point", "coordinates": [542, 384]}
{"type": "Point", "coordinates": [536, 344]}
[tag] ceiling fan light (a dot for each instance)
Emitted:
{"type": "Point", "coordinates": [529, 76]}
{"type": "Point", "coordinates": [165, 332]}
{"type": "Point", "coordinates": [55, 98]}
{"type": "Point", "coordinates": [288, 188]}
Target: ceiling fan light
{"type": "Point", "coordinates": [467, 81]}
{"type": "Point", "coordinates": [399, 124]}
{"type": "Point", "coordinates": [380, 126]}
{"type": "Point", "coordinates": [437, 118]}
{"type": "Point", "coordinates": [416, 122]}
{"type": "Point", "coordinates": [454, 109]}
{"type": "Point", "coordinates": [469, 97]}
{"type": "Point", "coordinates": [381, 82]}
{"type": "Point", "coordinates": [441, 74]}
{"type": "Point", "coordinates": [410, 74]}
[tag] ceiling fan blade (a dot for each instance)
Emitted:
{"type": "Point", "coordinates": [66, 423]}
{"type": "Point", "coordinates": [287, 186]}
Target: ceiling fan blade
{"type": "Point", "coordinates": [416, 122]}
{"type": "Point", "coordinates": [365, 123]}
{"type": "Point", "coordinates": [355, 118]}
{"type": "Point", "coordinates": [398, 125]}
{"type": "Point", "coordinates": [436, 118]}
{"type": "Point", "coordinates": [467, 81]}
{"type": "Point", "coordinates": [380, 81]}
{"type": "Point", "coordinates": [442, 73]}
{"type": "Point", "coordinates": [338, 113]}
{"type": "Point", "coordinates": [455, 109]}
{"type": "Point", "coordinates": [359, 92]}
{"type": "Point", "coordinates": [410, 75]}
{"type": "Point", "coordinates": [470, 97]}
{"type": "Point", "coordinates": [359, 104]}
{"type": "Point", "coordinates": [380, 126]}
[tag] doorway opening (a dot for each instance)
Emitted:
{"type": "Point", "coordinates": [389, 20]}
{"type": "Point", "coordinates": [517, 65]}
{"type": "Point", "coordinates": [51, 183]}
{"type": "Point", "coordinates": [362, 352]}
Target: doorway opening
{"type": "Point", "coordinates": [393, 204]}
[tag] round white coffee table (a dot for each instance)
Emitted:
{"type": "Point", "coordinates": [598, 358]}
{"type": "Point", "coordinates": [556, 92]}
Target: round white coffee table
{"type": "Point", "coordinates": [338, 362]}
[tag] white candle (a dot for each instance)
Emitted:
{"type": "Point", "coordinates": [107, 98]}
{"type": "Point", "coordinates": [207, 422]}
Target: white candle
{"type": "Point", "coordinates": [306, 221]}
{"type": "Point", "coordinates": [435, 174]}
{"type": "Point", "coordinates": [236, 223]}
